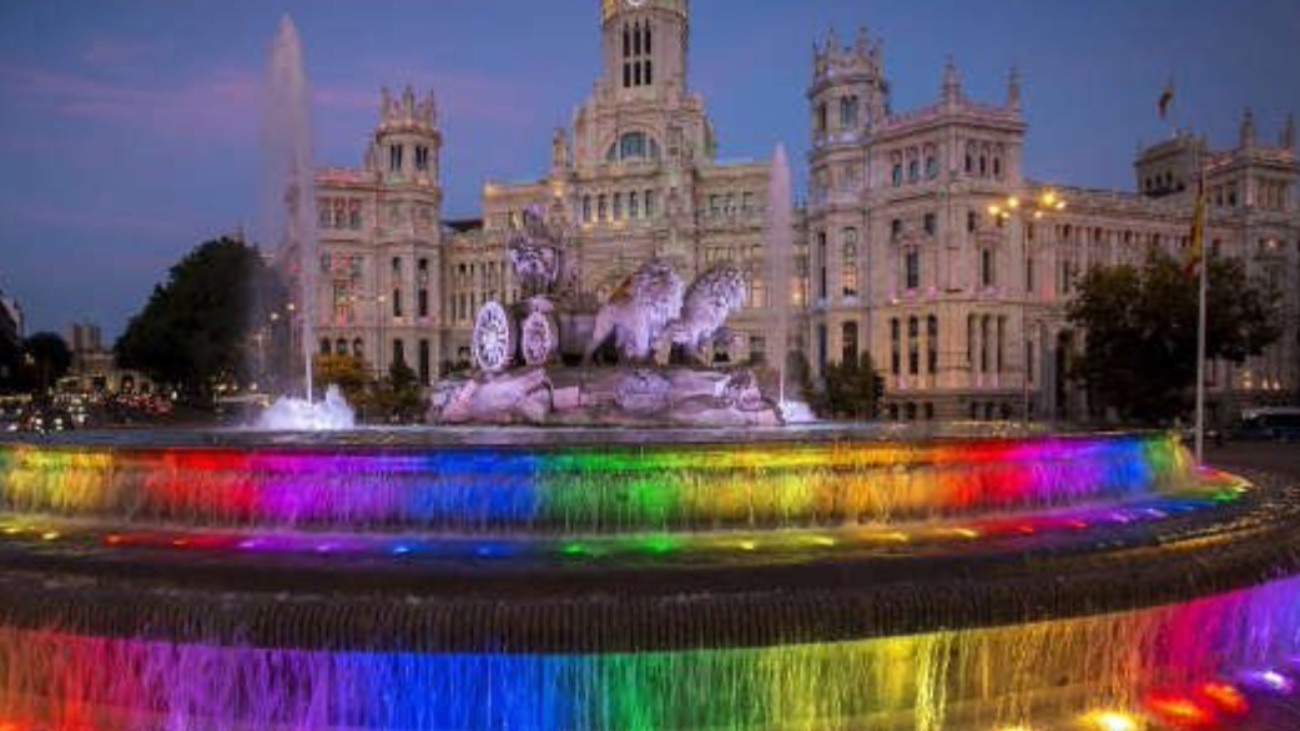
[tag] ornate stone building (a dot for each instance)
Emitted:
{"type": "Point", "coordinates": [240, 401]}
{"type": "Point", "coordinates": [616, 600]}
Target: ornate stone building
{"type": "Point", "coordinates": [897, 251]}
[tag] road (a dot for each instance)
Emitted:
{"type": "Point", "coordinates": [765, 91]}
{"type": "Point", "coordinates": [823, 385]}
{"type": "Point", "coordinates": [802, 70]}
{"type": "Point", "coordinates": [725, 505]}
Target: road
{"type": "Point", "coordinates": [1277, 457]}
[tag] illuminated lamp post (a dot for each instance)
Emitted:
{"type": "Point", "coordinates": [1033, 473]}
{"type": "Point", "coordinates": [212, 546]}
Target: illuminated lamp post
{"type": "Point", "coordinates": [1026, 211]}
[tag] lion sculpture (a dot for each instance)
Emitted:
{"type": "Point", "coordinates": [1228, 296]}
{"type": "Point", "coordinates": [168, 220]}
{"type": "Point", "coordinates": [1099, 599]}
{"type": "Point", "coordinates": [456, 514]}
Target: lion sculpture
{"type": "Point", "coordinates": [638, 311]}
{"type": "Point", "coordinates": [712, 297]}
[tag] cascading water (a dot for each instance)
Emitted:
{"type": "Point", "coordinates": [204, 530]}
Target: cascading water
{"type": "Point", "coordinates": [820, 579]}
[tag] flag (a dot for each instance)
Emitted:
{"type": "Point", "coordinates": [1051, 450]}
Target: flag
{"type": "Point", "coordinates": [1166, 99]}
{"type": "Point", "coordinates": [1197, 253]}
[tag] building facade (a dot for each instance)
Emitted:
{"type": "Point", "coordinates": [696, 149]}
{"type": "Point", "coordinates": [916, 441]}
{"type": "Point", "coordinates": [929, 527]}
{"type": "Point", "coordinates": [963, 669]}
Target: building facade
{"type": "Point", "coordinates": [897, 252]}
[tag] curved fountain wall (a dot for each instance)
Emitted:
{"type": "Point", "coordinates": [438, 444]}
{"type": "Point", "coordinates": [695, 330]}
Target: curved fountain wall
{"type": "Point", "coordinates": [823, 583]}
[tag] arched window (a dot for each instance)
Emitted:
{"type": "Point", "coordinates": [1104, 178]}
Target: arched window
{"type": "Point", "coordinates": [341, 347]}
{"type": "Point", "coordinates": [358, 348]}
{"type": "Point", "coordinates": [633, 146]}
{"type": "Point", "coordinates": [931, 167]}
{"type": "Point", "coordinates": [897, 175]}
{"type": "Point", "coordinates": [848, 112]}
{"type": "Point", "coordinates": [913, 171]}
{"type": "Point", "coordinates": [325, 346]}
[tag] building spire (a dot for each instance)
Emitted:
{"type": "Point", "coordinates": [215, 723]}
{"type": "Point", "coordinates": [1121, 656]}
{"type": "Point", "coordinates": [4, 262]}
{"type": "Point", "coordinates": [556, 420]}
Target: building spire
{"type": "Point", "coordinates": [1248, 128]}
{"type": "Point", "coordinates": [951, 82]}
{"type": "Point", "coordinates": [1013, 89]}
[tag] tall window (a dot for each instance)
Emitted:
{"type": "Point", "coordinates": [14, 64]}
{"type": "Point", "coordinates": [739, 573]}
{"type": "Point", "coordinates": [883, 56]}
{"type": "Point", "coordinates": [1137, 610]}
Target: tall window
{"type": "Point", "coordinates": [602, 208]}
{"type": "Point", "coordinates": [395, 158]}
{"type": "Point", "coordinates": [586, 208]}
{"type": "Point", "coordinates": [913, 346]}
{"type": "Point", "coordinates": [423, 302]}
{"type": "Point", "coordinates": [821, 263]}
{"type": "Point", "coordinates": [849, 266]}
{"type": "Point", "coordinates": [399, 351]}
{"type": "Point", "coordinates": [1029, 274]}
{"type": "Point", "coordinates": [913, 171]}
{"type": "Point", "coordinates": [932, 344]}
{"type": "Point", "coordinates": [421, 158]}
{"type": "Point", "coordinates": [848, 112]}
{"type": "Point", "coordinates": [986, 268]}
{"type": "Point", "coordinates": [895, 356]}
{"type": "Point", "coordinates": [913, 269]}
{"type": "Point", "coordinates": [895, 229]}
{"type": "Point", "coordinates": [649, 203]}
{"type": "Point", "coordinates": [897, 175]}
{"type": "Point", "coordinates": [931, 167]}
{"type": "Point", "coordinates": [821, 118]}
{"type": "Point", "coordinates": [931, 224]}
{"type": "Point", "coordinates": [397, 302]}
{"type": "Point", "coordinates": [425, 363]}
{"type": "Point", "coordinates": [849, 342]}
{"type": "Point", "coordinates": [633, 205]}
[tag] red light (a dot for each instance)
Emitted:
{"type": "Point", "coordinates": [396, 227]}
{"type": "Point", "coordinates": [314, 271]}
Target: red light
{"type": "Point", "coordinates": [1226, 698]}
{"type": "Point", "coordinates": [1181, 711]}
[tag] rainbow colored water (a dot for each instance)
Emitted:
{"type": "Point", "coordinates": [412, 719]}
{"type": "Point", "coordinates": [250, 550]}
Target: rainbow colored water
{"type": "Point", "coordinates": [1212, 656]}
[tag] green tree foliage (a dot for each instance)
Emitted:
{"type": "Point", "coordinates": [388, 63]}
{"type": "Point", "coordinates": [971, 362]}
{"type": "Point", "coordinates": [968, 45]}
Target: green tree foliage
{"type": "Point", "coordinates": [45, 359]}
{"type": "Point", "coordinates": [853, 389]}
{"type": "Point", "coordinates": [1139, 355]}
{"type": "Point", "coordinates": [197, 328]}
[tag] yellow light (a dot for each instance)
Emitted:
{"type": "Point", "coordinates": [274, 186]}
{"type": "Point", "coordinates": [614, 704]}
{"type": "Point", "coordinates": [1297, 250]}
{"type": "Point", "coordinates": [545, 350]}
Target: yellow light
{"type": "Point", "coordinates": [1060, 205]}
{"type": "Point", "coordinates": [994, 211]}
{"type": "Point", "coordinates": [1111, 721]}
{"type": "Point", "coordinates": [49, 535]}
{"type": "Point", "coordinates": [1013, 203]}
{"type": "Point", "coordinates": [1038, 214]}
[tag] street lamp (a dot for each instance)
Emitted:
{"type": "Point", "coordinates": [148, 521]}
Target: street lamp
{"type": "Point", "coordinates": [1028, 209]}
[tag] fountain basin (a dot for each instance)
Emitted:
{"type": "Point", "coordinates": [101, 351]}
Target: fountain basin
{"type": "Point", "coordinates": [1116, 571]}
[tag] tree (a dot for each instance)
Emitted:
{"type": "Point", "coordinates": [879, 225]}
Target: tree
{"type": "Point", "coordinates": [46, 359]}
{"type": "Point", "coordinates": [198, 327]}
{"type": "Point", "coordinates": [1139, 323]}
{"type": "Point", "coordinates": [853, 389]}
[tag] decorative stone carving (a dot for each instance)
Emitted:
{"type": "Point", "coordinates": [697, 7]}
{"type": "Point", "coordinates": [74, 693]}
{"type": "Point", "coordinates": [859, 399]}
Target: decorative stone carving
{"type": "Point", "coordinates": [712, 297]}
{"type": "Point", "coordinates": [538, 338]}
{"type": "Point", "coordinates": [536, 254]}
{"type": "Point", "coordinates": [493, 342]}
{"type": "Point", "coordinates": [643, 392]}
{"type": "Point", "coordinates": [638, 311]}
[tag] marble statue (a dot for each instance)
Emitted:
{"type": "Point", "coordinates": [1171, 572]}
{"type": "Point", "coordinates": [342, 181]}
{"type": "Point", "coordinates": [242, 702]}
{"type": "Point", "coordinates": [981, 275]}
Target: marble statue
{"type": "Point", "coordinates": [712, 297]}
{"type": "Point", "coordinates": [638, 311]}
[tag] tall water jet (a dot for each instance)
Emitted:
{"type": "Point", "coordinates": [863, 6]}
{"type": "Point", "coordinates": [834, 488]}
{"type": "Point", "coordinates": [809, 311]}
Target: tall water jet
{"type": "Point", "coordinates": [780, 251]}
{"type": "Point", "coordinates": [289, 182]}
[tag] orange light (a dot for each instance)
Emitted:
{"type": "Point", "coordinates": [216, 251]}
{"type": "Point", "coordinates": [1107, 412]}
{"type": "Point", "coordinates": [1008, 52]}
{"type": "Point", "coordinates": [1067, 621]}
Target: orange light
{"type": "Point", "coordinates": [1226, 697]}
{"type": "Point", "coordinates": [1181, 711]}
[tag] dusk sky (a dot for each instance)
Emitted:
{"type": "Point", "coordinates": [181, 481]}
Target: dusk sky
{"type": "Point", "coordinates": [129, 131]}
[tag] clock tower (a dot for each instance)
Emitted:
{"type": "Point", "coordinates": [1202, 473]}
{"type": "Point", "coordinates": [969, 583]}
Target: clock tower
{"type": "Point", "coordinates": [645, 46]}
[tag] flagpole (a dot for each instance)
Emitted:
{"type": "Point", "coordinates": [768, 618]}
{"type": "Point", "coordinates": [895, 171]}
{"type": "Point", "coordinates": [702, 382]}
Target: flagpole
{"type": "Point", "coordinates": [1199, 224]}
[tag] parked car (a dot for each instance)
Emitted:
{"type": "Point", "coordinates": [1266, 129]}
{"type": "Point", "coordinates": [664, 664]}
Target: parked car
{"type": "Point", "coordinates": [1274, 423]}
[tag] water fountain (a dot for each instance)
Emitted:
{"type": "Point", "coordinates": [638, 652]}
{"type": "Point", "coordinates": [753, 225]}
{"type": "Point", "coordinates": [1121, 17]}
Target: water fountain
{"type": "Point", "coordinates": [636, 578]}
{"type": "Point", "coordinates": [290, 183]}
{"type": "Point", "coordinates": [693, 579]}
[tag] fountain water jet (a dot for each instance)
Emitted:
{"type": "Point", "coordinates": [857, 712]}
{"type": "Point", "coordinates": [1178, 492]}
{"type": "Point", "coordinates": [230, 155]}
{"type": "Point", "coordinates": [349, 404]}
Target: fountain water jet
{"type": "Point", "coordinates": [780, 253]}
{"type": "Point", "coordinates": [290, 178]}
